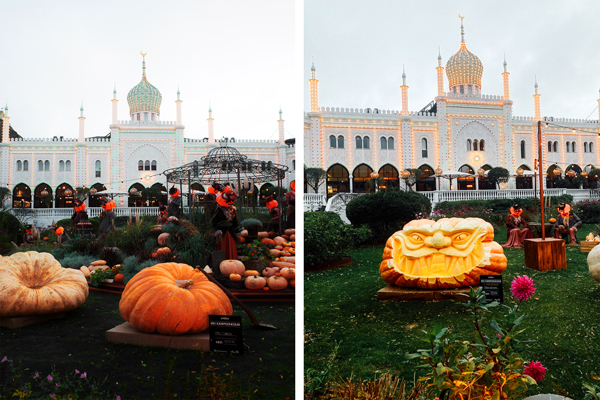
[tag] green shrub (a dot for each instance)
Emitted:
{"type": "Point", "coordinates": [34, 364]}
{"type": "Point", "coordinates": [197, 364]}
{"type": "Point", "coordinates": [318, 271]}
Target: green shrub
{"type": "Point", "coordinates": [477, 210]}
{"type": "Point", "coordinates": [386, 211]}
{"type": "Point", "coordinates": [10, 230]}
{"type": "Point", "coordinates": [95, 224]}
{"type": "Point", "coordinates": [327, 238]}
{"type": "Point", "coordinates": [76, 260]}
{"type": "Point", "coordinates": [500, 205]}
{"type": "Point", "coordinates": [65, 223]}
{"type": "Point", "coordinates": [357, 236]}
{"type": "Point", "coordinates": [251, 222]}
{"type": "Point", "coordinates": [588, 211]}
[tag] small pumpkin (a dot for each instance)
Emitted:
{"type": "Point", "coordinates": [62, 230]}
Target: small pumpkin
{"type": "Point", "coordinates": [98, 262]}
{"type": "Point", "coordinates": [267, 241]}
{"type": "Point", "coordinates": [85, 270]}
{"type": "Point", "coordinates": [244, 233]}
{"type": "Point", "coordinates": [292, 283]}
{"type": "Point", "coordinates": [288, 273]}
{"type": "Point", "coordinates": [251, 272]}
{"type": "Point", "coordinates": [242, 239]}
{"type": "Point", "coordinates": [293, 238]}
{"type": "Point", "coordinates": [269, 271]}
{"type": "Point", "coordinates": [552, 220]}
{"type": "Point", "coordinates": [290, 232]}
{"type": "Point", "coordinates": [279, 241]}
{"type": "Point", "coordinates": [172, 219]}
{"type": "Point", "coordinates": [163, 252]}
{"type": "Point", "coordinates": [277, 283]}
{"type": "Point", "coordinates": [45, 237]}
{"type": "Point", "coordinates": [119, 278]}
{"type": "Point", "coordinates": [262, 235]}
{"type": "Point", "coordinates": [235, 277]}
{"type": "Point", "coordinates": [275, 252]}
{"type": "Point", "coordinates": [255, 282]}
{"type": "Point", "coordinates": [162, 239]}
{"type": "Point", "coordinates": [228, 267]}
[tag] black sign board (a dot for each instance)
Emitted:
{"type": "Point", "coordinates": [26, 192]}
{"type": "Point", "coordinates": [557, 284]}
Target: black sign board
{"type": "Point", "coordinates": [225, 333]}
{"type": "Point", "coordinates": [492, 287]}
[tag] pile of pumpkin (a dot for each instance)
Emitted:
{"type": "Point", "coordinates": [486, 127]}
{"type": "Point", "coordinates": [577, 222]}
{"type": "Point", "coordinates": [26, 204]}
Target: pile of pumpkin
{"type": "Point", "coordinates": [101, 265]}
{"type": "Point", "coordinates": [273, 278]}
{"type": "Point", "coordinates": [591, 238]}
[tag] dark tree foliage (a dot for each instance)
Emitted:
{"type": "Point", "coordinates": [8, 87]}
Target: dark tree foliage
{"type": "Point", "coordinates": [315, 177]}
{"type": "Point", "coordinates": [497, 175]}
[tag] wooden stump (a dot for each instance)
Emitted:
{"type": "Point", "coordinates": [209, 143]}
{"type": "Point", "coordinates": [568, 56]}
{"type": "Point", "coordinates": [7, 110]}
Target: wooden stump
{"type": "Point", "coordinates": [545, 255]}
{"type": "Point", "coordinates": [396, 293]}
{"type": "Point", "coordinates": [19, 322]}
{"type": "Point", "coordinates": [125, 333]}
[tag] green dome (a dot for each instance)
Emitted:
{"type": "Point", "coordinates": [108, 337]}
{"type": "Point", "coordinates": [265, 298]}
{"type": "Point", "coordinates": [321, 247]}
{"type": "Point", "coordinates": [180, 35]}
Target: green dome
{"type": "Point", "coordinates": [144, 96]}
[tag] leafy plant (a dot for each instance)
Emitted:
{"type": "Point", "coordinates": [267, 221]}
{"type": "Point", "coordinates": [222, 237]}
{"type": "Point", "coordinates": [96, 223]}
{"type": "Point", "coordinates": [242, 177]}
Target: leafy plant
{"type": "Point", "coordinates": [484, 367]}
{"type": "Point", "coordinates": [76, 260]}
{"type": "Point", "coordinates": [386, 387]}
{"type": "Point", "coordinates": [315, 380]}
{"type": "Point", "coordinates": [98, 276]}
{"type": "Point", "coordinates": [251, 223]}
{"type": "Point", "coordinates": [254, 251]}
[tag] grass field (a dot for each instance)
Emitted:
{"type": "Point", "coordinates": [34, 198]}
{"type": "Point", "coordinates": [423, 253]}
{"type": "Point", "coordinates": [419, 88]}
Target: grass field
{"type": "Point", "coordinates": [78, 342]}
{"type": "Point", "coordinates": [371, 337]}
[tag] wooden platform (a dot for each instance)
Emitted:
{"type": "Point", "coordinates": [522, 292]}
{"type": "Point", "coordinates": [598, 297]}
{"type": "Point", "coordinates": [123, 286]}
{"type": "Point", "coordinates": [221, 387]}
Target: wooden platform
{"type": "Point", "coordinates": [19, 322]}
{"type": "Point", "coordinates": [396, 293]}
{"type": "Point", "coordinates": [586, 247]}
{"type": "Point", "coordinates": [125, 333]}
{"type": "Point", "coordinates": [545, 255]}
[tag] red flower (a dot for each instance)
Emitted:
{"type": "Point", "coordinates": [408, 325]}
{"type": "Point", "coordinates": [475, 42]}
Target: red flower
{"type": "Point", "coordinates": [536, 370]}
{"type": "Point", "coordinates": [522, 288]}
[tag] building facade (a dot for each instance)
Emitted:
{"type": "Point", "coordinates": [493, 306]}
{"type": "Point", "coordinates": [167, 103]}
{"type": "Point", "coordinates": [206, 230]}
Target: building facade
{"type": "Point", "coordinates": [461, 130]}
{"type": "Point", "coordinates": [43, 173]}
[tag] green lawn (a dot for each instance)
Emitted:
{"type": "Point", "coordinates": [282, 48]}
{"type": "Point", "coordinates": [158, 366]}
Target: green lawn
{"type": "Point", "coordinates": [341, 308]}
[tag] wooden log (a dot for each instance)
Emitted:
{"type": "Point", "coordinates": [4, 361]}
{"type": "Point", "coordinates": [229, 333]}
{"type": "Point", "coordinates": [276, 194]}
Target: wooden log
{"type": "Point", "coordinates": [545, 255]}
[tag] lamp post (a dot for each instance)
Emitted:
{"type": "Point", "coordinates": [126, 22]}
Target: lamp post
{"type": "Point", "coordinates": [93, 191]}
{"type": "Point", "coordinates": [520, 173]}
{"type": "Point", "coordinates": [374, 176]}
{"type": "Point", "coordinates": [405, 175]}
{"type": "Point", "coordinates": [438, 171]}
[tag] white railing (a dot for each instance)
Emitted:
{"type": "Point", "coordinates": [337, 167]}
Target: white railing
{"type": "Point", "coordinates": [338, 204]}
{"type": "Point", "coordinates": [314, 201]}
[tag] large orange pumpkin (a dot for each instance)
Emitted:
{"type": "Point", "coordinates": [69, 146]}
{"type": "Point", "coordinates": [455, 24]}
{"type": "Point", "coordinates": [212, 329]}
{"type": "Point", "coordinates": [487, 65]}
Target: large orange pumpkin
{"type": "Point", "coordinates": [448, 253]}
{"type": "Point", "coordinates": [34, 283]}
{"type": "Point", "coordinates": [172, 299]}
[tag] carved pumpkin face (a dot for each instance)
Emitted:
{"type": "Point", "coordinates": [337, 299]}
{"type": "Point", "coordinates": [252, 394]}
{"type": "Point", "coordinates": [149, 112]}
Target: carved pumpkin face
{"type": "Point", "coordinates": [448, 253]}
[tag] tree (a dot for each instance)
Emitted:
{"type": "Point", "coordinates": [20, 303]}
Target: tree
{"type": "Point", "coordinates": [5, 196]}
{"type": "Point", "coordinates": [315, 177]}
{"type": "Point", "coordinates": [497, 175]}
{"type": "Point", "coordinates": [415, 175]}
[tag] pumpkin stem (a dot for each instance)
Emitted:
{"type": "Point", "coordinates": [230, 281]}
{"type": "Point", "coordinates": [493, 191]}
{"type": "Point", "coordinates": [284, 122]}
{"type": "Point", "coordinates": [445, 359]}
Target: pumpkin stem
{"type": "Point", "coordinates": [184, 283]}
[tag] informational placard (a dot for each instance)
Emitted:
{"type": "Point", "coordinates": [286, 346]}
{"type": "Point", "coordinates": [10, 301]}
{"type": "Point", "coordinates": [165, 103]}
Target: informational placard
{"type": "Point", "coordinates": [492, 287]}
{"type": "Point", "coordinates": [225, 333]}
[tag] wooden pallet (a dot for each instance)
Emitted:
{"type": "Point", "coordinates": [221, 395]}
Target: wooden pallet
{"type": "Point", "coordinates": [586, 247]}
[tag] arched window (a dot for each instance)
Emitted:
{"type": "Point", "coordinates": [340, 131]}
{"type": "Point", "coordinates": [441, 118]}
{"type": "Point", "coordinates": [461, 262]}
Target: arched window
{"type": "Point", "coordinates": [19, 165]}
{"type": "Point", "coordinates": [555, 147]}
{"type": "Point", "coordinates": [153, 165]}
{"type": "Point", "coordinates": [140, 165]}
{"type": "Point", "coordinates": [391, 143]}
{"type": "Point", "coordinates": [98, 168]}
{"type": "Point", "coordinates": [358, 142]}
{"type": "Point", "coordinates": [573, 148]}
{"type": "Point", "coordinates": [383, 143]}
{"type": "Point", "coordinates": [366, 144]}
{"type": "Point", "coordinates": [147, 165]}
{"type": "Point", "coordinates": [68, 165]}
{"type": "Point", "coordinates": [61, 165]}
{"type": "Point", "coordinates": [47, 165]}
{"type": "Point", "coordinates": [469, 145]}
{"type": "Point", "coordinates": [585, 147]}
{"type": "Point", "coordinates": [481, 145]}
{"type": "Point", "coordinates": [549, 147]}
{"type": "Point", "coordinates": [332, 141]}
{"type": "Point", "coordinates": [475, 147]}
{"type": "Point", "coordinates": [340, 142]}
{"type": "Point", "coordinates": [424, 148]}
{"type": "Point", "coordinates": [40, 165]}
{"type": "Point", "coordinates": [25, 165]}
{"type": "Point", "coordinates": [591, 149]}
{"type": "Point", "coordinates": [568, 147]}
{"type": "Point", "coordinates": [522, 149]}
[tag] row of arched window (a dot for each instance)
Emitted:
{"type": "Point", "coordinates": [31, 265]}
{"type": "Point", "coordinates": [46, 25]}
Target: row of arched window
{"type": "Point", "coordinates": [148, 165]}
{"type": "Point", "coordinates": [475, 145]}
{"type": "Point", "coordinates": [571, 147]}
{"type": "Point", "coordinates": [361, 142]}
{"type": "Point", "coordinates": [22, 165]}
{"type": "Point", "coordinates": [64, 165]}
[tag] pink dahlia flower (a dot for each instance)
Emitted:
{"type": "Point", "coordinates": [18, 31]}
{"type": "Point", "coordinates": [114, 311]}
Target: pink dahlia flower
{"type": "Point", "coordinates": [522, 288]}
{"type": "Point", "coordinates": [536, 370]}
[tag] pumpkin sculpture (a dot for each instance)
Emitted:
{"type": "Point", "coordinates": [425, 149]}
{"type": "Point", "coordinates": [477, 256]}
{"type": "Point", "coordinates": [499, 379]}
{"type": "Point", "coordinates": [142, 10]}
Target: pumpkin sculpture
{"type": "Point", "coordinates": [172, 299]}
{"type": "Point", "coordinates": [448, 253]}
{"type": "Point", "coordinates": [34, 283]}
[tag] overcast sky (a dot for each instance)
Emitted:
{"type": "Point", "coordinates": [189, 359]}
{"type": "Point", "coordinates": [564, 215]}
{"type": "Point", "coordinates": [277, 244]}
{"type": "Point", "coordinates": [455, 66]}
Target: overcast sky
{"type": "Point", "coordinates": [359, 48]}
{"type": "Point", "coordinates": [237, 54]}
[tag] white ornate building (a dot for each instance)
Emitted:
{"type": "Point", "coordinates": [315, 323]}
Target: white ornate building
{"type": "Point", "coordinates": [41, 173]}
{"type": "Point", "coordinates": [462, 129]}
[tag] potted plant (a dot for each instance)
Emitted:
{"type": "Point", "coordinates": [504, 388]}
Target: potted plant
{"type": "Point", "coordinates": [252, 225]}
{"type": "Point", "coordinates": [255, 255]}
{"type": "Point", "coordinates": [99, 276]}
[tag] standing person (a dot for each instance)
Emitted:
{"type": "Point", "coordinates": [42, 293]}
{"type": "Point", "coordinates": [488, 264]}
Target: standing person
{"type": "Point", "coordinates": [290, 199]}
{"type": "Point", "coordinates": [78, 210]}
{"type": "Point", "coordinates": [515, 233]}
{"type": "Point", "coordinates": [567, 224]}
{"type": "Point", "coordinates": [174, 208]}
{"type": "Point", "coordinates": [108, 216]}
{"type": "Point", "coordinates": [162, 215]}
{"type": "Point", "coordinates": [226, 225]}
{"type": "Point", "coordinates": [274, 213]}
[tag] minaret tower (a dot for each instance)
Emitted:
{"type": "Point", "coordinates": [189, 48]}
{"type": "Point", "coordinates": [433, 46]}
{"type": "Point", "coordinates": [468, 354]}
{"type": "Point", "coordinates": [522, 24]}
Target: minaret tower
{"type": "Point", "coordinates": [440, 74]}
{"type": "Point", "coordinates": [5, 125]}
{"type": "Point", "coordinates": [505, 75]}
{"type": "Point", "coordinates": [536, 102]}
{"type": "Point", "coordinates": [314, 90]}
{"type": "Point", "coordinates": [598, 106]}
{"type": "Point", "coordinates": [115, 104]}
{"type": "Point", "coordinates": [81, 124]}
{"type": "Point", "coordinates": [281, 129]}
{"type": "Point", "coordinates": [178, 108]}
{"type": "Point", "coordinates": [211, 128]}
{"type": "Point", "coordinates": [404, 93]}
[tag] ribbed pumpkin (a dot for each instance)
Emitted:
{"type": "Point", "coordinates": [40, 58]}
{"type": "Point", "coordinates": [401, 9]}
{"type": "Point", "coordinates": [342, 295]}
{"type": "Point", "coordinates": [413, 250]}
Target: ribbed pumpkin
{"type": "Point", "coordinates": [288, 273]}
{"type": "Point", "coordinates": [255, 282]}
{"type": "Point", "coordinates": [277, 283]}
{"type": "Point", "coordinates": [448, 253]}
{"type": "Point", "coordinates": [162, 238]}
{"type": "Point", "coordinates": [161, 253]}
{"type": "Point", "coordinates": [34, 283]}
{"type": "Point", "coordinates": [228, 267]}
{"type": "Point", "coordinates": [171, 299]}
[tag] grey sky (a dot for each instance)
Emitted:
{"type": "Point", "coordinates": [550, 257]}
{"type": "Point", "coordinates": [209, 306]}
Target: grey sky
{"type": "Point", "coordinates": [359, 48]}
{"type": "Point", "coordinates": [238, 55]}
